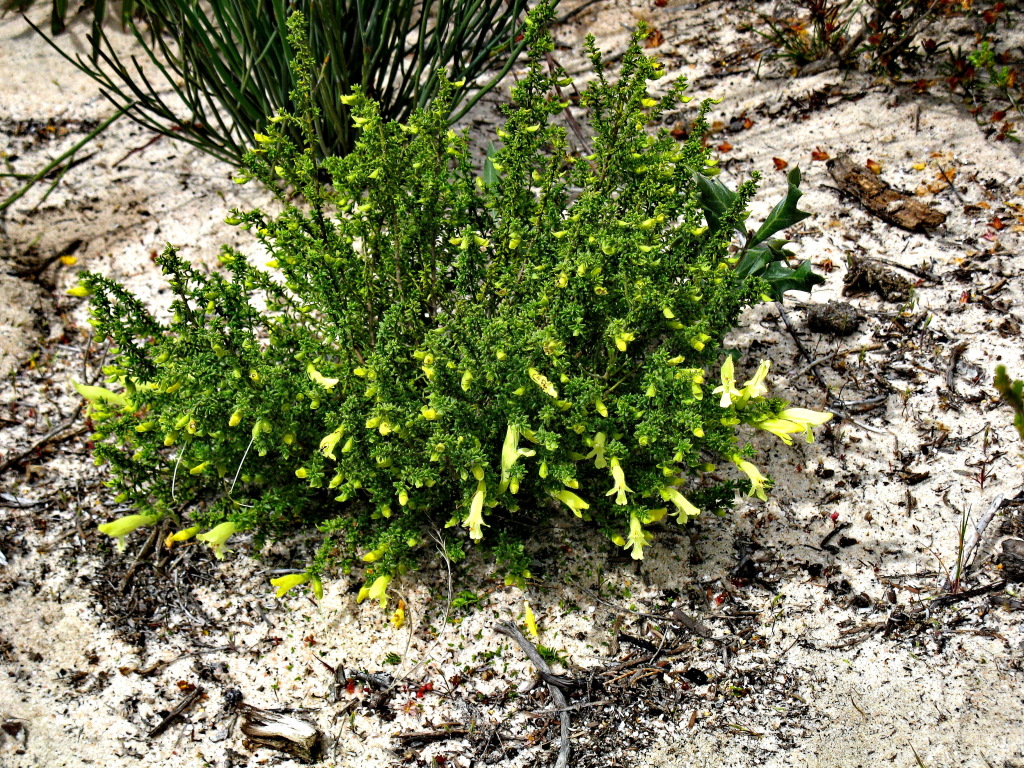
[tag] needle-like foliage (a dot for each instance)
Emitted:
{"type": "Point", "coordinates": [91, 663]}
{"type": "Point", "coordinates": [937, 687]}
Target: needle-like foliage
{"type": "Point", "coordinates": [210, 73]}
{"type": "Point", "coordinates": [436, 348]}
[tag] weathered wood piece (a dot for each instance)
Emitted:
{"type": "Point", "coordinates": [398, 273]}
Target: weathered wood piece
{"type": "Point", "coordinates": [186, 704]}
{"type": "Point", "coordinates": [281, 730]}
{"type": "Point", "coordinates": [890, 205]}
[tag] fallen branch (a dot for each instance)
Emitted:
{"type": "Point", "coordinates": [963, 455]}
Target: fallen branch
{"type": "Point", "coordinates": [555, 684]}
{"type": "Point", "coordinates": [49, 437]}
{"type": "Point", "coordinates": [186, 704]}
{"type": "Point", "coordinates": [281, 730]}
{"type": "Point", "coordinates": [974, 540]}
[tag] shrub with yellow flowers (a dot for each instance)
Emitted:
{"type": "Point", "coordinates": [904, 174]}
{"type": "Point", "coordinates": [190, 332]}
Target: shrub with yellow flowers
{"type": "Point", "coordinates": [439, 345]}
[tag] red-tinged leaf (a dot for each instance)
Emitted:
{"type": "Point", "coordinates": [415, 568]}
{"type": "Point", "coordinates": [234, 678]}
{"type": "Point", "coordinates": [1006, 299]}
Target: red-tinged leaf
{"type": "Point", "coordinates": [423, 689]}
{"type": "Point", "coordinates": [965, 297]}
{"type": "Point", "coordinates": [747, 123]}
{"type": "Point", "coordinates": [660, 3]}
{"type": "Point", "coordinates": [834, 516]}
{"type": "Point", "coordinates": [873, 166]}
{"type": "Point", "coordinates": [185, 686]}
{"type": "Point", "coordinates": [679, 133]}
{"type": "Point", "coordinates": [998, 117]}
{"type": "Point", "coordinates": [819, 155]}
{"type": "Point", "coordinates": [654, 39]}
{"type": "Point", "coordinates": [989, 236]}
{"type": "Point", "coordinates": [350, 686]}
{"type": "Point", "coordinates": [996, 224]}
{"type": "Point", "coordinates": [780, 164]}
{"type": "Point", "coordinates": [725, 146]}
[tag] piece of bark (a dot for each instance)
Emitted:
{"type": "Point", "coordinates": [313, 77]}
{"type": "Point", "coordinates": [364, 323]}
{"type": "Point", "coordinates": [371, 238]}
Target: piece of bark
{"type": "Point", "coordinates": [281, 730]}
{"type": "Point", "coordinates": [834, 317]}
{"type": "Point", "coordinates": [890, 205]}
{"type": "Point", "coordinates": [864, 276]}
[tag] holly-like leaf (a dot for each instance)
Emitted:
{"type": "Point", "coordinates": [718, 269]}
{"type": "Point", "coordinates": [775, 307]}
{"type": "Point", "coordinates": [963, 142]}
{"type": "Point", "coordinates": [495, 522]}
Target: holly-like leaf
{"type": "Point", "coordinates": [783, 215]}
{"type": "Point", "coordinates": [715, 200]}
{"type": "Point", "coordinates": [769, 262]}
{"type": "Point", "coordinates": [781, 278]}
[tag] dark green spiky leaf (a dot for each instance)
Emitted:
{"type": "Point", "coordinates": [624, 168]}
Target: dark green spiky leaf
{"type": "Point", "coordinates": [715, 200]}
{"type": "Point", "coordinates": [785, 214]}
{"type": "Point", "coordinates": [782, 278]}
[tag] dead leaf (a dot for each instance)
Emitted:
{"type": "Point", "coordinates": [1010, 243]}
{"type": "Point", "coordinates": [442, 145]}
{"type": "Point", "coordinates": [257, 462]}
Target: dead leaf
{"type": "Point", "coordinates": [996, 224]}
{"type": "Point", "coordinates": [725, 146]}
{"type": "Point", "coordinates": [873, 166]}
{"type": "Point", "coordinates": [654, 39]}
{"type": "Point", "coordinates": [780, 164]}
{"type": "Point", "coordinates": [819, 155]}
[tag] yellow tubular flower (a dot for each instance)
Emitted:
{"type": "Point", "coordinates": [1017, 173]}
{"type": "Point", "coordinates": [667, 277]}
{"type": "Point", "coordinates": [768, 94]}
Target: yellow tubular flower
{"type": "Point", "coordinates": [330, 442]}
{"type": "Point", "coordinates": [620, 488]}
{"type": "Point", "coordinates": [531, 620]}
{"type": "Point", "coordinates": [728, 387]}
{"type": "Point", "coordinates": [398, 617]}
{"type": "Point", "coordinates": [509, 455]}
{"type": "Point", "coordinates": [793, 421]}
{"type": "Point", "coordinates": [182, 535]}
{"type": "Point", "coordinates": [97, 395]}
{"type": "Point", "coordinates": [757, 480]}
{"type": "Point", "coordinates": [284, 583]}
{"type": "Point", "coordinates": [324, 381]}
{"type": "Point", "coordinates": [572, 501]}
{"type": "Point", "coordinates": [379, 590]}
{"type": "Point", "coordinates": [597, 454]}
{"type": "Point", "coordinates": [123, 526]}
{"type": "Point", "coordinates": [756, 387]}
{"type": "Point", "coordinates": [543, 382]}
{"type": "Point", "coordinates": [216, 537]}
{"type": "Point", "coordinates": [806, 418]}
{"type": "Point", "coordinates": [638, 538]}
{"type": "Point", "coordinates": [684, 508]}
{"type": "Point", "coordinates": [475, 521]}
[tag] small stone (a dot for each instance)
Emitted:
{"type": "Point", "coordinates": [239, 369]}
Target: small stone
{"type": "Point", "coordinates": [838, 318]}
{"type": "Point", "coordinates": [1012, 560]}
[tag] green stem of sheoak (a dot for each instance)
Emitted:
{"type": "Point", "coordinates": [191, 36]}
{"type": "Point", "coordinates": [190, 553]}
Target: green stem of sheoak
{"type": "Point", "coordinates": [67, 156]}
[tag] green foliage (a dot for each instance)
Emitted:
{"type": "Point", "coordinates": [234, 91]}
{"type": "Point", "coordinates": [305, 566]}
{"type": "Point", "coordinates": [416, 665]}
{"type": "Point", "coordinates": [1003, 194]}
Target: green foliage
{"type": "Point", "coordinates": [841, 31]}
{"type": "Point", "coordinates": [988, 78]}
{"type": "Point", "coordinates": [1012, 392]}
{"type": "Point", "coordinates": [436, 349]}
{"type": "Point", "coordinates": [228, 64]}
